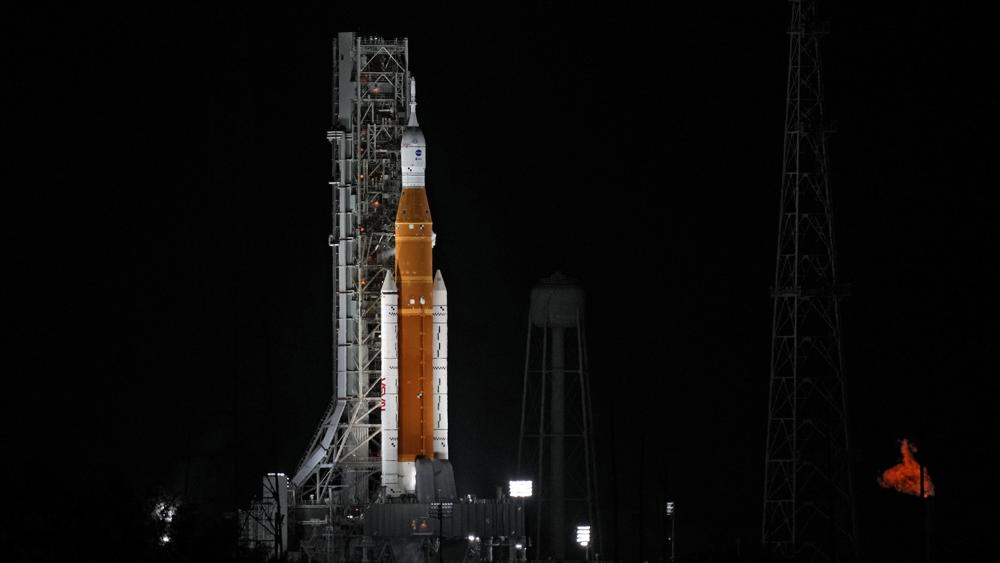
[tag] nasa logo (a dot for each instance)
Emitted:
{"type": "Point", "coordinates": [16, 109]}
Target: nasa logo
{"type": "Point", "coordinates": [419, 152]}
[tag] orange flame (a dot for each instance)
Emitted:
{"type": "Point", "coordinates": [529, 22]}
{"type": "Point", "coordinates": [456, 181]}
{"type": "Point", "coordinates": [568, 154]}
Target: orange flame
{"type": "Point", "coordinates": [905, 476]}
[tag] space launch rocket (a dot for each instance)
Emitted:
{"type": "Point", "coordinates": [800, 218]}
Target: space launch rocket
{"type": "Point", "coordinates": [414, 385]}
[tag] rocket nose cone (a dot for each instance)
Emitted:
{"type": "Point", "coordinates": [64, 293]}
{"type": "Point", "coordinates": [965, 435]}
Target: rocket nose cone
{"type": "Point", "coordinates": [389, 285]}
{"type": "Point", "coordinates": [439, 281]}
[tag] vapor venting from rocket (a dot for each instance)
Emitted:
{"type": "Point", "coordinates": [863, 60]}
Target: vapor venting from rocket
{"type": "Point", "coordinates": [905, 477]}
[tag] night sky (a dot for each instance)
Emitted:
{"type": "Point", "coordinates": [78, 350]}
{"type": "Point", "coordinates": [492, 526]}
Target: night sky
{"type": "Point", "coordinates": [168, 209]}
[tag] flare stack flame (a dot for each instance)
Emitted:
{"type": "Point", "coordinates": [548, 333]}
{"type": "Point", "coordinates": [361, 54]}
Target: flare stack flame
{"type": "Point", "coordinates": [905, 476]}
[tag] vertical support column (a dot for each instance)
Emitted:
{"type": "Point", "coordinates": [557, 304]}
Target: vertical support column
{"type": "Point", "coordinates": [557, 429]}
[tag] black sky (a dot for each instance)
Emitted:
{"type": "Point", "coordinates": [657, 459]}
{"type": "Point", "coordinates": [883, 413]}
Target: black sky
{"type": "Point", "coordinates": [171, 279]}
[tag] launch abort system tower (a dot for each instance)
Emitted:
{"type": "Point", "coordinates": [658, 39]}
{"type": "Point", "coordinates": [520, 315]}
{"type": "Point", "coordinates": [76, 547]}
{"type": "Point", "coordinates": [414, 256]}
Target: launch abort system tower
{"type": "Point", "coordinates": [808, 512]}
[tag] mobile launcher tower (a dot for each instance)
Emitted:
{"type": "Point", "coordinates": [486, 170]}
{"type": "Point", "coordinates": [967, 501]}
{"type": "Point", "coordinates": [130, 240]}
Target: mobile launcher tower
{"type": "Point", "coordinates": [375, 482]}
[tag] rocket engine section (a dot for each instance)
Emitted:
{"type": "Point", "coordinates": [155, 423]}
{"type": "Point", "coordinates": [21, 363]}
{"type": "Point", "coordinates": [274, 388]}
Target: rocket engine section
{"type": "Point", "coordinates": [415, 342]}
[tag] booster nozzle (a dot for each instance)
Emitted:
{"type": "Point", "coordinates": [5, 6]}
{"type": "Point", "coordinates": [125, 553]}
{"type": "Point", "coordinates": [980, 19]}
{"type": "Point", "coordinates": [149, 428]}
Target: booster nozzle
{"type": "Point", "coordinates": [389, 284]}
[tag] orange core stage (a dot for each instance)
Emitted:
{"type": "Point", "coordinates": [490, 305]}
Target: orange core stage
{"type": "Point", "coordinates": [415, 275]}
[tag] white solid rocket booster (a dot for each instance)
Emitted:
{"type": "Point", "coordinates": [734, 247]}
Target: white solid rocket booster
{"type": "Point", "coordinates": [440, 385]}
{"type": "Point", "coordinates": [390, 387]}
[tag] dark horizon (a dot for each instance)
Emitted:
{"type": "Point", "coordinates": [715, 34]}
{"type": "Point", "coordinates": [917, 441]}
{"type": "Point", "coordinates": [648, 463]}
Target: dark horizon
{"type": "Point", "coordinates": [172, 274]}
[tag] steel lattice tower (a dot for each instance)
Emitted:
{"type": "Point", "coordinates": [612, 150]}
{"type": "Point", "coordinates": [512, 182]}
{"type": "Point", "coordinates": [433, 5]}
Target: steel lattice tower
{"type": "Point", "coordinates": [338, 475]}
{"type": "Point", "coordinates": [808, 511]}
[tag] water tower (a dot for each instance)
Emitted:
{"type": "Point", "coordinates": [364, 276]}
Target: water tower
{"type": "Point", "coordinates": [556, 447]}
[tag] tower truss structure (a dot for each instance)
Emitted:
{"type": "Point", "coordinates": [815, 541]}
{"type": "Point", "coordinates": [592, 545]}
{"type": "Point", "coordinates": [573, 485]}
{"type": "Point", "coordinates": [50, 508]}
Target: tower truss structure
{"type": "Point", "coordinates": [808, 511]}
{"type": "Point", "coordinates": [340, 467]}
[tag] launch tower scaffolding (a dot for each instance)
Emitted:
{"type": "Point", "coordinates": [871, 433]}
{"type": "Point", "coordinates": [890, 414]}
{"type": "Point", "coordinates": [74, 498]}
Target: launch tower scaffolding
{"type": "Point", "coordinates": [338, 475]}
{"type": "Point", "coordinates": [808, 512]}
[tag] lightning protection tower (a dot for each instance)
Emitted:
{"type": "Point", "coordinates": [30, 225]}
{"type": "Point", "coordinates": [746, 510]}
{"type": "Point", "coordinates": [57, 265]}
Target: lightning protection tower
{"type": "Point", "coordinates": [338, 474]}
{"type": "Point", "coordinates": [556, 446]}
{"type": "Point", "coordinates": [808, 512]}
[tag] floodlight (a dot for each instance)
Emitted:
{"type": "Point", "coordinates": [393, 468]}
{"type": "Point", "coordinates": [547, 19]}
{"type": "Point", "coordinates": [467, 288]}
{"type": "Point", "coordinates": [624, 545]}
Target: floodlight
{"type": "Point", "coordinates": [520, 489]}
{"type": "Point", "coordinates": [583, 535]}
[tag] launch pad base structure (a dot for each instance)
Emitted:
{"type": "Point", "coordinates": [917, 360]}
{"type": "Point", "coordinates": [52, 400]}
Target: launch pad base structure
{"type": "Point", "coordinates": [403, 530]}
{"type": "Point", "coordinates": [409, 531]}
